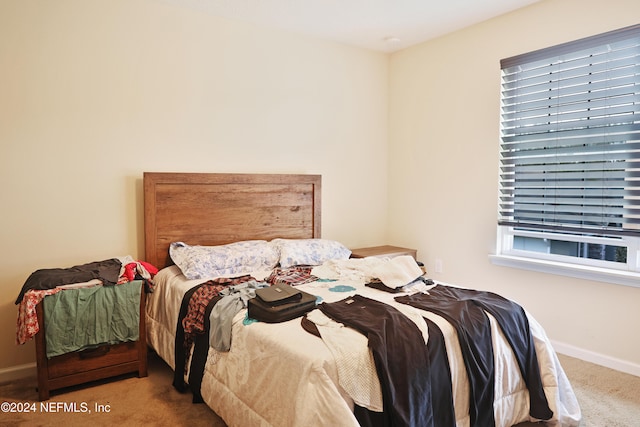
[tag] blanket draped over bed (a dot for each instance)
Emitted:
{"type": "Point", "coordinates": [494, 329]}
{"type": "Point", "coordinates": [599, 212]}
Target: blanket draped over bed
{"type": "Point", "coordinates": [402, 361]}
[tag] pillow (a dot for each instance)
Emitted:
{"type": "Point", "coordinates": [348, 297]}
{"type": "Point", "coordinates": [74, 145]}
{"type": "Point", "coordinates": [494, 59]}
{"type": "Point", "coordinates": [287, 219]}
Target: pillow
{"type": "Point", "coordinates": [201, 262]}
{"type": "Point", "coordinates": [309, 251]}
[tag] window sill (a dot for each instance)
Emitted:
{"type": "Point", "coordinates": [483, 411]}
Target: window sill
{"type": "Point", "coordinates": [620, 277]}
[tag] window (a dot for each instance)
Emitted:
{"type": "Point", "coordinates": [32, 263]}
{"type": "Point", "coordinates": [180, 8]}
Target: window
{"type": "Point", "coordinates": [570, 158]}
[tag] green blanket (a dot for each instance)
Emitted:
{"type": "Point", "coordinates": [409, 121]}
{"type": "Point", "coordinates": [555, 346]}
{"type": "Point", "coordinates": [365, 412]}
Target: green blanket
{"type": "Point", "coordinates": [77, 319]}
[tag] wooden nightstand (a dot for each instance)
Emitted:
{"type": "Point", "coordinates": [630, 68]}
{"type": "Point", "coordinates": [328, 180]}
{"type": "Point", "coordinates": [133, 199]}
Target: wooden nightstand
{"type": "Point", "coordinates": [79, 367]}
{"type": "Point", "coordinates": [382, 251]}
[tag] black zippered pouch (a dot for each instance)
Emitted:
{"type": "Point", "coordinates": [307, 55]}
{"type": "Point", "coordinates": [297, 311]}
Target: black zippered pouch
{"type": "Point", "coordinates": [264, 312]}
{"type": "Point", "coordinates": [278, 294]}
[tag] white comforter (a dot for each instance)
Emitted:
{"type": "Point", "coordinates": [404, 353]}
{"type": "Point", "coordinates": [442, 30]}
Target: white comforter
{"type": "Point", "coordinates": [280, 375]}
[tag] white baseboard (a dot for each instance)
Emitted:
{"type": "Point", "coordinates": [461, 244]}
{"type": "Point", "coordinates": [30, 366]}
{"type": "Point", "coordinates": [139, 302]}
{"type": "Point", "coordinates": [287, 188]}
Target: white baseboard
{"type": "Point", "coordinates": [17, 372]}
{"type": "Point", "coordinates": [597, 358]}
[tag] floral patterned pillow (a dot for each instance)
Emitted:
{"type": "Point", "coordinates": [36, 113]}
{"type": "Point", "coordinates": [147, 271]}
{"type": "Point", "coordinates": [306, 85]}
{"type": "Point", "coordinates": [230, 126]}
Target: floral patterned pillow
{"type": "Point", "coordinates": [309, 251]}
{"type": "Point", "coordinates": [202, 262]}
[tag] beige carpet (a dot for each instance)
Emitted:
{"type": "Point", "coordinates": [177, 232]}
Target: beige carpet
{"type": "Point", "coordinates": [132, 401]}
{"type": "Point", "coordinates": [608, 399]}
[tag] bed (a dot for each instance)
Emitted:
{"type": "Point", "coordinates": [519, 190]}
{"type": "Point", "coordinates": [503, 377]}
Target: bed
{"type": "Point", "coordinates": [281, 374]}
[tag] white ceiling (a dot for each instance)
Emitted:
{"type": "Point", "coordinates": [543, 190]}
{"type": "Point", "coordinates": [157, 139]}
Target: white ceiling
{"type": "Point", "coordinates": [382, 25]}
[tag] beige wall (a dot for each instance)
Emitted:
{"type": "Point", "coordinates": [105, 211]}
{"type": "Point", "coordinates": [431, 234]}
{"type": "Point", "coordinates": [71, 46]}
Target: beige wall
{"type": "Point", "coordinates": [93, 93]}
{"type": "Point", "coordinates": [443, 163]}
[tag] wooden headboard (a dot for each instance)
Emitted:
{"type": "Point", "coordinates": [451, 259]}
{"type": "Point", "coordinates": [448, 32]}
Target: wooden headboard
{"type": "Point", "coordinates": [219, 208]}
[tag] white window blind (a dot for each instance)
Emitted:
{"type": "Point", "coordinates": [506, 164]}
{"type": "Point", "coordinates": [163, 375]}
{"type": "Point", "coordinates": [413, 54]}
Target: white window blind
{"type": "Point", "coordinates": [570, 151]}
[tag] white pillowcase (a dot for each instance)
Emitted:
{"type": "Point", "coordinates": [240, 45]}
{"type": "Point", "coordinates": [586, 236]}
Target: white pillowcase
{"type": "Point", "coordinates": [309, 251]}
{"type": "Point", "coordinates": [202, 262]}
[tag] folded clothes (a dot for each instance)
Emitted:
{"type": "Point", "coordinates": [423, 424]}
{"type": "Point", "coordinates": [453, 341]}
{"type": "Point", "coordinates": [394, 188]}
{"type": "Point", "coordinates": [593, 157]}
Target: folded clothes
{"type": "Point", "coordinates": [398, 271]}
